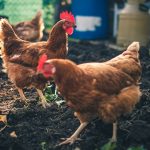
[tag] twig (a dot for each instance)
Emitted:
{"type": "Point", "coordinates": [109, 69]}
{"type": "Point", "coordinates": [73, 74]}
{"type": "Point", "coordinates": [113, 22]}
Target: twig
{"type": "Point", "coordinates": [3, 128]}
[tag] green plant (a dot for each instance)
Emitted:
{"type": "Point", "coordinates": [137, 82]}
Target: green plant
{"type": "Point", "coordinates": [109, 146]}
{"type": "Point", "coordinates": [2, 4]}
{"type": "Point", "coordinates": [137, 148]}
{"type": "Point", "coordinates": [43, 144]}
{"type": "Point", "coordinates": [52, 9]}
{"type": "Point", "coordinates": [49, 7]}
{"type": "Point", "coordinates": [113, 146]}
{"type": "Point", "coordinates": [53, 96]}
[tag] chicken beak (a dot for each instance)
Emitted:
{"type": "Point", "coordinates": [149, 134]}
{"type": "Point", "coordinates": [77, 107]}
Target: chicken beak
{"type": "Point", "coordinates": [75, 26]}
{"type": "Point", "coordinates": [48, 61]}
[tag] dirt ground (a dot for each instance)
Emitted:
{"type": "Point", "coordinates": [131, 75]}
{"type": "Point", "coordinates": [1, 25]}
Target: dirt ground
{"type": "Point", "coordinates": [37, 128]}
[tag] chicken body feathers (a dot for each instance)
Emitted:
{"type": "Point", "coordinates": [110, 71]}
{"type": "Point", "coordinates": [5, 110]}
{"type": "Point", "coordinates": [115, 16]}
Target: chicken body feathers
{"type": "Point", "coordinates": [107, 90]}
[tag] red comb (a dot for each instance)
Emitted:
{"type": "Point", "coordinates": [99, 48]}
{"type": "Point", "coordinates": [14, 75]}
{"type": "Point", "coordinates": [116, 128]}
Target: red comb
{"type": "Point", "coordinates": [67, 16]}
{"type": "Point", "coordinates": [41, 62]}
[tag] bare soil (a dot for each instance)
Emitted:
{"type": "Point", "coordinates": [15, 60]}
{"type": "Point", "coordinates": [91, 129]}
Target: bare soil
{"type": "Point", "coordinates": [37, 128]}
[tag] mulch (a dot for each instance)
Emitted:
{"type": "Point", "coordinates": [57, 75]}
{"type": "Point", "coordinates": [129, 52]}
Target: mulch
{"type": "Point", "coordinates": [37, 128]}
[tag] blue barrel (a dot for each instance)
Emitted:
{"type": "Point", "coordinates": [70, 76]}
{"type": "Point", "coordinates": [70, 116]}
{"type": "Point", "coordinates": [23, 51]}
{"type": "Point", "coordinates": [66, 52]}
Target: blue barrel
{"type": "Point", "coordinates": [91, 19]}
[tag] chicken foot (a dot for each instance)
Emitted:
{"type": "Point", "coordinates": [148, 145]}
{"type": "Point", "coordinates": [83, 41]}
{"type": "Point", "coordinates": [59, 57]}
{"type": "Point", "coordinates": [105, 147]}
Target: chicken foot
{"type": "Point", "coordinates": [43, 99]}
{"type": "Point", "coordinates": [23, 98]}
{"type": "Point", "coordinates": [75, 135]}
{"type": "Point", "coordinates": [114, 134]}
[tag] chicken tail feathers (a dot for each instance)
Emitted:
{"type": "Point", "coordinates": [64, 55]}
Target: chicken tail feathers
{"type": "Point", "coordinates": [117, 105]}
{"type": "Point", "coordinates": [133, 50]}
{"type": "Point", "coordinates": [6, 30]}
{"type": "Point", "coordinates": [38, 20]}
{"type": "Point", "coordinates": [37, 17]}
{"type": "Point", "coordinates": [133, 46]}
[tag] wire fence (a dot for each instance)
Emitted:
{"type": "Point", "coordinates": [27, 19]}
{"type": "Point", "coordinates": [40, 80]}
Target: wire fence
{"type": "Point", "coordinates": [22, 10]}
{"type": "Point", "coordinates": [19, 10]}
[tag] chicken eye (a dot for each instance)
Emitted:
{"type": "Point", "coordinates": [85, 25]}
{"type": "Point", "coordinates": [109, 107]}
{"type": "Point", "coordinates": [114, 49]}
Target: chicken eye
{"type": "Point", "coordinates": [67, 23]}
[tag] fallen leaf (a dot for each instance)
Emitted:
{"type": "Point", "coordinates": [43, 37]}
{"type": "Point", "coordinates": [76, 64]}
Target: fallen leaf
{"type": "Point", "coordinates": [3, 118]}
{"type": "Point", "coordinates": [13, 134]}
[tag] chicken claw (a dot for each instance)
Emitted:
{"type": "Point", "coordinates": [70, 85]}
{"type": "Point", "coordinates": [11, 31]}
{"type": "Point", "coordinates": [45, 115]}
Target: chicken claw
{"type": "Point", "coordinates": [43, 99]}
{"type": "Point", "coordinates": [45, 104]}
{"type": "Point", "coordinates": [23, 98]}
{"type": "Point", "coordinates": [69, 140]}
{"type": "Point", "coordinates": [75, 135]}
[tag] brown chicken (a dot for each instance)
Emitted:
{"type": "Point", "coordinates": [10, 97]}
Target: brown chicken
{"type": "Point", "coordinates": [105, 90]}
{"type": "Point", "coordinates": [30, 30]}
{"type": "Point", "coordinates": [20, 58]}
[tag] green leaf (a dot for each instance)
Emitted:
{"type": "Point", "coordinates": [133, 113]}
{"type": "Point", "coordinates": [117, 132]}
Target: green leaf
{"type": "Point", "coordinates": [53, 97]}
{"type": "Point", "coordinates": [109, 146]}
{"type": "Point", "coordinates": [43, 144]}
{"type": "Point", "coordinates": [136, 148]}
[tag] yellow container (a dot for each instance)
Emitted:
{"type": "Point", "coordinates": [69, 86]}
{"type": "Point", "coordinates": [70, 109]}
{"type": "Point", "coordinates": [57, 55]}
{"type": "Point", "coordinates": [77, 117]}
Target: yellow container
{"type": "Point", "coordinates": [134, 25]}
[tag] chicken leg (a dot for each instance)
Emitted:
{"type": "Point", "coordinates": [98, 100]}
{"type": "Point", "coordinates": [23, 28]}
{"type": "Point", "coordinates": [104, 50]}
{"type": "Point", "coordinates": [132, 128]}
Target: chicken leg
{"type": "Point", "coordinates": [43, 99]}
{"type": "Point", "coordinates": [23, 98]}
{"type": "Point", "coordinates": [75, 135]}
{"type": "Point", "coordinates": [114, 134]}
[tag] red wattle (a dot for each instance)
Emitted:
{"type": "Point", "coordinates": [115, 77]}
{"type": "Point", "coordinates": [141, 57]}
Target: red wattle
{"type": "Point", "coordinates": [69, 30]}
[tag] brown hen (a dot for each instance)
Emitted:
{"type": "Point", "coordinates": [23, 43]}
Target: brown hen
{"type": "Point", "coordinates": [30, 30]}
{"type": "Point", "coordinates": [105, 90]}
{"type": "Point", "coordinates": [20, 57]}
